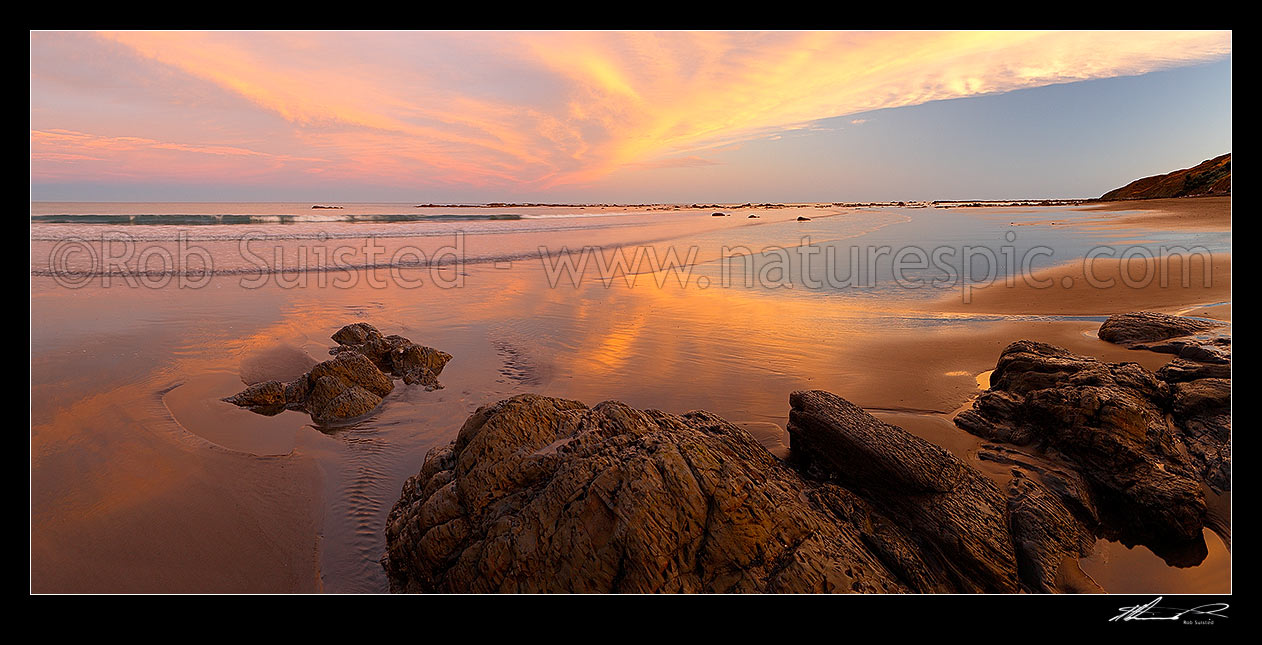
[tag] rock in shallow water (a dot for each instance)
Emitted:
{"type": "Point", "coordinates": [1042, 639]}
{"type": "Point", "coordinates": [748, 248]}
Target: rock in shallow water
{"type": "Point", "coordinates": [353, 382]}
{"type": "Point", "coordinates": [1191, 339]}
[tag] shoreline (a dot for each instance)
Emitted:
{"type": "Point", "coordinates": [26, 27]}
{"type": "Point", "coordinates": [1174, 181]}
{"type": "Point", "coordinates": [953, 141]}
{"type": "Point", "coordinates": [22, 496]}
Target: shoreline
{"type": "Point", "coordinates": [1074, 288]}
{"type": "Point", "coordinates": [1139, 283]}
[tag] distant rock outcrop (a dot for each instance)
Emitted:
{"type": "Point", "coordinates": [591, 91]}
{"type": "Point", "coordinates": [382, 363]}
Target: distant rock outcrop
{"type": "Point", "coordinates": [353, 382]}
{"type": "Point", "coordinates": [1212, 177]}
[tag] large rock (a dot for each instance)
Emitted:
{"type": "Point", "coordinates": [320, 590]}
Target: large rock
{"type": "Point", "coordinates": [539, 494]}
{"type": "Point", "coordinates": [1131, 436]}
{"type": "Point", "coordinates": [352, 383]}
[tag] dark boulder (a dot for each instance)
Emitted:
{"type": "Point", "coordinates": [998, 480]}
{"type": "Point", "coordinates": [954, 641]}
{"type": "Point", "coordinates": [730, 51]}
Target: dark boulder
{"type": "Point", "coordinates": [539, 494]}
{"type": "Point", "coordinates": [1123, 430]}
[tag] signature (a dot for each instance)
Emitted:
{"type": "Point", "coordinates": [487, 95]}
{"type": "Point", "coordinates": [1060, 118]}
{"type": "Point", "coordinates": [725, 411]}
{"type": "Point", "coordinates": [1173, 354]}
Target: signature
{"type": "Point", "coordinates": [1151, 611]}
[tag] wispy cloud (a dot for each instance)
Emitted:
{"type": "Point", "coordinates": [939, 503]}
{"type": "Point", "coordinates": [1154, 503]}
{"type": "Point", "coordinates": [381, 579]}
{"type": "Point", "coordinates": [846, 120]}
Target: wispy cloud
{"type": "Point", "coordinates": [691, 161]}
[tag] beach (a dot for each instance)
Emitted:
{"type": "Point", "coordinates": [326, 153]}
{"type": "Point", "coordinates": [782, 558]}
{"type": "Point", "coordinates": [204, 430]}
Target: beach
{"type": "Point", "coordinates": [144, 480]}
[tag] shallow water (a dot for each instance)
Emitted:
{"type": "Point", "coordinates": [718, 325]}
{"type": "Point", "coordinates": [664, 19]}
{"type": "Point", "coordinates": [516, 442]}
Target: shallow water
{"type": "Point", "coordinates": [126, 378]}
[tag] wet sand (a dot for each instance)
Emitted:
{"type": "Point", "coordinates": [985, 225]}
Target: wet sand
{"type": "Point", "coordinates": [157, 516]}
{"type": "Point", "coordinates": [1185, 214]}
{"type": "Point", "coordinates": [1106, 286]}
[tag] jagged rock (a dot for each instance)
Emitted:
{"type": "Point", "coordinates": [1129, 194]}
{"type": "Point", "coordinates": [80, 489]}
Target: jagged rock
{"type": "Point", "coordinates": [1108, 421]}
{"type": "Point", "coordinates": [296, 392]}
{"type": "Point", "coordinates": [543, 494]}
{"type": "Point", "coordinates": [355, 334]}
{"type": "Point", "coordinates": [419, 365]}
{"type": "Point", "coordinates": [1208, 348]}
{"type": "Point", "coordinates": [539, 494]}
{"type": "Point", "coordinates": [1200, 381]}
{"type": "Point", "coordinates": [346, 386]}
{"type": "Point", "coordinates": [1053, 519]}
{"type": "Point", "coordinates": [953, 512]}
{"type": "Point", "coordinates": [352, 383]}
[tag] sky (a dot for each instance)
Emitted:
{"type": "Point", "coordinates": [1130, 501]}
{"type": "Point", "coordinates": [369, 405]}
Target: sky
{"type": "Point", "coordinates": [625, 117]}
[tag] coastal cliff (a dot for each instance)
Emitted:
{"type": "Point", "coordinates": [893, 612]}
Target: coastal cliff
{"type": "Point", "coordinates": [1211, 177]}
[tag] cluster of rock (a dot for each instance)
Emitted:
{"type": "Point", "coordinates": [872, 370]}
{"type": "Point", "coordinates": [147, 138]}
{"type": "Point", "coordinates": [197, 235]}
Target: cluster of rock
{"type": "Point", "coordinates": [354, 381]}
{"type": "Point", "coordinates": [540, 494]}
{"type": "Point", "coordinates": [1118, 450]}
{"type": "Point", "coordinates": [548, 495]}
